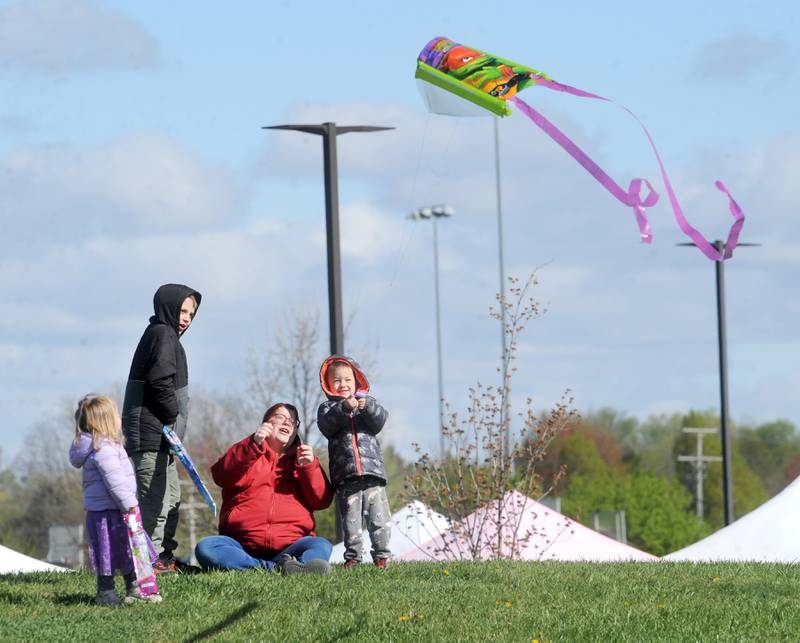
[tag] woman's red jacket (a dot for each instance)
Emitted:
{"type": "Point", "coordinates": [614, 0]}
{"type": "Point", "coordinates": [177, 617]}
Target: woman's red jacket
{"type": "Point", "coordinates": [267, 498]}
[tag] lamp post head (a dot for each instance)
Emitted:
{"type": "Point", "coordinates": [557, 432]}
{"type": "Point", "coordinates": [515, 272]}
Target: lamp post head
{"type": "Point", "coordinates": [327, 127]}
{"type": "Point", "coordinates": [432, 212]}
{"type": "Point", "coordinates": [442, 211]}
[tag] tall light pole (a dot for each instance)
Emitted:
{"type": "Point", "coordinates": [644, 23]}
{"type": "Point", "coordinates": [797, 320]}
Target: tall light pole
{"type": "Point", "coordinates": [722, 342]}
{"type": "Point", "coordinates": [505, 416]}
{"type": "Point", "coordinates": [433, 213]}
{"type": "Point", "coordinates": [329, 132]}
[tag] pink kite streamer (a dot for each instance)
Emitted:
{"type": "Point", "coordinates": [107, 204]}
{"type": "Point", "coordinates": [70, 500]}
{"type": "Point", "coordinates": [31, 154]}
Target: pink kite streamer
{"type": "Point", "coordinates": [632, 197]}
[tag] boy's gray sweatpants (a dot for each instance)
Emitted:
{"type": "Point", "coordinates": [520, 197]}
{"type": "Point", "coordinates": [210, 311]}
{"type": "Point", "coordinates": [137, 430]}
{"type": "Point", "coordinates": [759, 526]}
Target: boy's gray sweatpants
{"type": "Point", "coordinates": [365, 497]}
{"type": "Point", "coordinates": [159, 492]}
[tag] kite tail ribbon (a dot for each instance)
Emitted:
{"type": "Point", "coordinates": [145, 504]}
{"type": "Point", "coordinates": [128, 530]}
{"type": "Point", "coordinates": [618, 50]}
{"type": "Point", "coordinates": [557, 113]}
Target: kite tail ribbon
{"type": "Point", "coordinates": [632, 197]}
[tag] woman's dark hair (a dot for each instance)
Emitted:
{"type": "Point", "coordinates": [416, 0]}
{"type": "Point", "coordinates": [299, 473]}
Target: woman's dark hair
{"type": "Point", "coordinates": [289, 407]}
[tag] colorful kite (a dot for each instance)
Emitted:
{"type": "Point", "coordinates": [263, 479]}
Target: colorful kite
{"type": "Point", "coordinates": [491, 83]}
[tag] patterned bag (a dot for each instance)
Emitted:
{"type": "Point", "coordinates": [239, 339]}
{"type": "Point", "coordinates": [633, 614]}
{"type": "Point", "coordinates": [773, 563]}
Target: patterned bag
{"type": "Point", "coordinates": [140, 551]}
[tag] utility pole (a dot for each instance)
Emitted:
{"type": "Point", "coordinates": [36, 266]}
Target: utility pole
{"type": "Point", "coordinates": [698, 462]}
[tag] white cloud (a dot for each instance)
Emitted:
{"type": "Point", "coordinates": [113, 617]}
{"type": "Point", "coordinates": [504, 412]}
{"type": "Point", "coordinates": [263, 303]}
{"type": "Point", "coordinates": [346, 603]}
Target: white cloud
{"type": "Point", "coordinates": [135, 185]}
{"type": "Point", "coordinates": [739, 56]}
{"type": "Point", "coordinates": [57, 36]}
{"type": "Point", "coordinates": [367, 232]}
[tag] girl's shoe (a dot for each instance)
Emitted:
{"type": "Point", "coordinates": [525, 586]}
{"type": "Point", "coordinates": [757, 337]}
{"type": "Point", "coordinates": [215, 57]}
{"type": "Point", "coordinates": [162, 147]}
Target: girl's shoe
{"type": "Point", "coordinates": [381, 563]}
{"type": "Point", "coordinates": [350, 562]}
{"type": "Point", "coordinates": [133, 595]}
{"type": "Point", "coordinates": [107, 598]}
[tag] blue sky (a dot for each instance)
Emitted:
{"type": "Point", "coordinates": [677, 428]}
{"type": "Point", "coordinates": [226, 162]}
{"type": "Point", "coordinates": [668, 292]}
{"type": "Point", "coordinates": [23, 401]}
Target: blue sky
{"type": "Point", "coordinates": [131, 155]}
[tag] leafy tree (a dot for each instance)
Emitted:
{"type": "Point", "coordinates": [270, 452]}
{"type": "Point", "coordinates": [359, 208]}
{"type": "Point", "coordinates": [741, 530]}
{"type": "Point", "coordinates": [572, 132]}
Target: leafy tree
{"type": "Point", "coordinates": [618, 437]}
{"type": "Point", "coordinates": [768, 450]}
{"type": "Point", "coordinates": [657, 511]}
{"type": "Point", "coordinates": [792, 468]}
{"type": "Point", "coordinates": [581, 453]}
{"type": "Point", "coordinates": [656, 445]}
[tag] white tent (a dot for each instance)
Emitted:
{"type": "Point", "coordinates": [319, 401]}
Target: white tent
{"type": "Point", "coordinates": [767, 534]}
{"type": "Point", "coordinates": [530, 531]}
{"type": "Point", "coordinates": [411, 526]}
{"type": "Point", "coordinates": [12, 562]}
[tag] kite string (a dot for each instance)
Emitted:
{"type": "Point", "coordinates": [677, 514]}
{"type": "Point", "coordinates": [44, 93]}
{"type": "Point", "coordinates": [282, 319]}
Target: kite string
{"type": "Point", "coordinates": [631, 197]}
{"type": "Point", "coordinates": [414, 182]}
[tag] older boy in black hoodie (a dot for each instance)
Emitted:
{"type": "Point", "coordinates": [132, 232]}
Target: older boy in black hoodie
{"type": "Point", "coordinates": [157, 394]}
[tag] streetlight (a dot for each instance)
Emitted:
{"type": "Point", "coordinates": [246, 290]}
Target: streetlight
{"type": "Point", "coordinates": [329, 132]}
{"type": "Point", "coordinates": [727, 465]}
{"type": "Point", "coordinates": [505, 419]}
{"type": "Point", "coordinates": [433, 213]}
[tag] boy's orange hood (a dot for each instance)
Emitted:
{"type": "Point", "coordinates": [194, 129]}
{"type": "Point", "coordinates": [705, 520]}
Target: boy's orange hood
{"type": "Point", "coordinates": [362, 385]}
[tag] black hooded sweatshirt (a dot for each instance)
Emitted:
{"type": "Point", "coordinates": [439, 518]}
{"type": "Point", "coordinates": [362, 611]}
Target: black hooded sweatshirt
{"type": "Point", "coordinates": [157, 392]}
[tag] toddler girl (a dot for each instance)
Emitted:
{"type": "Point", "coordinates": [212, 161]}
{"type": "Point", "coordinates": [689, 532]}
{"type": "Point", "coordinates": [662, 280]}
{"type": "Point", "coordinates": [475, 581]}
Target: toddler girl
{"type": "Point", "coordinates": [109, 497]}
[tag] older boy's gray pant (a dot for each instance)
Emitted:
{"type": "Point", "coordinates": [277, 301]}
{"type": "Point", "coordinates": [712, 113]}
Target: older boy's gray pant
{"type": "Point", "coordinates": [159, 493]}
{"type": "Point", "coordinates": [359, 497]}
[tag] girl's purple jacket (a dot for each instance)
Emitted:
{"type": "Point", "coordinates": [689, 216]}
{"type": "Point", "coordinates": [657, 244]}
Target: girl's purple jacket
{"type": "Point", "coordinates": [108, 478]}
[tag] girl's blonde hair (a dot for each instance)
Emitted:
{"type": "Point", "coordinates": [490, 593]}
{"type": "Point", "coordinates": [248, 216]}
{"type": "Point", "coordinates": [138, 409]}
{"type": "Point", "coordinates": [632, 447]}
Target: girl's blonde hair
{"type": "Point", "coordinates": [98, 416]}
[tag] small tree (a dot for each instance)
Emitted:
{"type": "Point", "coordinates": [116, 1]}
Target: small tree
{"type": "Point", "coordinates": [289, 371]}
{"type": "Point", "coordinates": [483, 473]}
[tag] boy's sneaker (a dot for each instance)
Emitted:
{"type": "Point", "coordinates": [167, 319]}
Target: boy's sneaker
{"type": "Point", "coordinates": [381, 563]}
{"type": "Point", "coordinates": [134, 595]}
{"type": "Point", "coordinates": [107, 598]}
{"type": "Point", "coordinates": [162, 566]}
{"type": "Point", "coordinates": [350, 562]}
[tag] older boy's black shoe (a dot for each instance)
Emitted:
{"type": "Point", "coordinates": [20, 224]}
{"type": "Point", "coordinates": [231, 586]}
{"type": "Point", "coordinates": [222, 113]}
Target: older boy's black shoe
{"type": "Point", "coordinates": [186, 568]}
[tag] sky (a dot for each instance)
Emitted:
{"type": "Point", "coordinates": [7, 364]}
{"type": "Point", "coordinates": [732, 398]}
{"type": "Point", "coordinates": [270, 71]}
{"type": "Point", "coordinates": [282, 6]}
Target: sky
{"type": "Point", "coordinates": [132, 154]}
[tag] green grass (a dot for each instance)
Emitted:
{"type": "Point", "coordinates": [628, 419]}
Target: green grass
{"type": "Point", "coordinates": [496, 601]}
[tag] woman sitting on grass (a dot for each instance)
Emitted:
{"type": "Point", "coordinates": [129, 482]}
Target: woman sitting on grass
{"type": "Point", "coordinates": [271, 485]}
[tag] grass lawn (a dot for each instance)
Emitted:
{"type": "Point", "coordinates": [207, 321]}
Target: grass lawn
{"type": "Point", "coordinates": [492, 601]}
